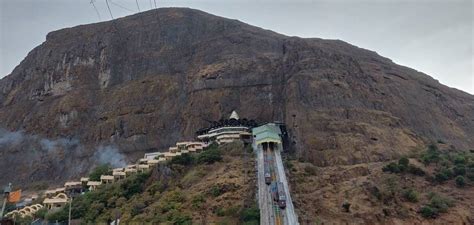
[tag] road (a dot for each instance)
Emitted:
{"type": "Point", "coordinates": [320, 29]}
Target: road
{"type": "Point", "coordinates": [270, 213]}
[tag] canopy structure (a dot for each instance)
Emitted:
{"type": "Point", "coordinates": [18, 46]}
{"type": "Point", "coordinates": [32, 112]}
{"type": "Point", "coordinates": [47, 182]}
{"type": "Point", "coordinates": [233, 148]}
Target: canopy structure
{"type": "Point", "coordinates": [267, 133]}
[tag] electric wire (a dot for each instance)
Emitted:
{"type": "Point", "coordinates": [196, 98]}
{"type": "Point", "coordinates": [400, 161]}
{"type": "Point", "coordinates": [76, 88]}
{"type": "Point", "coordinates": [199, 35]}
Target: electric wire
{"type": "Point", "coordinates": [120, 6]}
{"type": "Point", "coordinates": [95, 8]}
{"type": "Point", "coordinates": [138, 6]}
{"type": "Point", "coordinates": [108, 7]}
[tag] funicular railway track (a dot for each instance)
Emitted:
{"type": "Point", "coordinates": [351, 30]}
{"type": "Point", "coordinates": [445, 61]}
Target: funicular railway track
{"type": "Point", "coordinates": [276, 206]}
{"type": "Point", "coordinates": [271, 179]}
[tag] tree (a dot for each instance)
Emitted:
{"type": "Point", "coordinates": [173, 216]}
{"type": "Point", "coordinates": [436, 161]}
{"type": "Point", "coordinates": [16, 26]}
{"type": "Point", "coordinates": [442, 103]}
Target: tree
{"type": "Point", "coordinates": [100, 170]}
{"type": "Point", "coordinates": [60, 216]}
{"type": "Point", "coordinates": [470, 174]}
{"type": "Point", "coordinates": [460, 181]}
{"type": "Point", "coordinates": [411, 195]}
{"type": "Point", "coordinates": [184, 159]}
{"type": "Point", "coordinates": [391, 167]}
{"type": "Point", "coordinates": [209, 156]}
{"type": "Point", "coordinates": [431, 155]}
{"type": "Point", "coordinates": [459, 170]}
{"type": "Point", "coordinates": [460, 159]}
{"type": "Point", "coordinates": [443, 175]}
{"type": "Point", "coordinates": [437, 205]}
{"type": "Point", "coordinates": [415, 170]}
{"type": "Point", "coordinates": [41, 213]}
{"type": "Point", "coordinates": [403, 161]}
{"type": "Point", "coordinates": [428, 212]}
{"type": "Point", "coordinates": [250, 214]}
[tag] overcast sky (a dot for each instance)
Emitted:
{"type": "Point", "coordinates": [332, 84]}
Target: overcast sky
{"type": "Point", "coordinates": [435, 37]}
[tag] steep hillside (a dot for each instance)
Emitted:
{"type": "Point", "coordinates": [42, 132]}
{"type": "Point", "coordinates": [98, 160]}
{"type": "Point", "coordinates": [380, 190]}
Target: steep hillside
{"type": "Point", "coordinates": [142, 82]}
{"type": "Point", "coordinates": [425, 192]}
{"type": "Point", "coordinates": [187, 190]}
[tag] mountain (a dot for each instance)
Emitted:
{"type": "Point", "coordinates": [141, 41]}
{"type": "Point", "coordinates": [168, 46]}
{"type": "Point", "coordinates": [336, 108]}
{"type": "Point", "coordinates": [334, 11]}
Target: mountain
{"type": "Point", "coordinates": [110, 91]}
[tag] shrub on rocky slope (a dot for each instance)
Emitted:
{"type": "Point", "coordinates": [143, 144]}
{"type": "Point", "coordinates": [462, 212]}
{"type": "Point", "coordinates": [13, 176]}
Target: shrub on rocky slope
{"type": "Point", "coordinates": [182, 191]}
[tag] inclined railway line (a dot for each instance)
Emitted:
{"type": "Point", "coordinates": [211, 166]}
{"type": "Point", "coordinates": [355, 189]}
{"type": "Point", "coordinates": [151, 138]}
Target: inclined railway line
{"type": "Point", "coordinates": [276, 206]}
{"type": "Point", "coordinates": [273, 198]}
{"type": "Point", "coordinates": [271, 179]}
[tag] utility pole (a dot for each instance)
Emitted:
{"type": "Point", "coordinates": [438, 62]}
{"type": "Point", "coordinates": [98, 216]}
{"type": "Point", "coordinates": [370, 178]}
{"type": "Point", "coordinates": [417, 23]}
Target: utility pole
{"type": "Point", "coordinates": [69, 218]}
{"type": "Point", "coordinates": [6, 193]}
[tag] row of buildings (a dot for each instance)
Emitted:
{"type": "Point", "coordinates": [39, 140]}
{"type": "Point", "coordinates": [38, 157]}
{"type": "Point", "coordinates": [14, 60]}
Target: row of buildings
{"type": "Point", "coordinates": [56, 198]}
{"type": "Point", "coordinates": [220, 132]}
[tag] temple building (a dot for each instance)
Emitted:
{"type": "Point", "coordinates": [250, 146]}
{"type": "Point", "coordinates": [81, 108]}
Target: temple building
{"type": "Point", "coordinates": [228, 130]}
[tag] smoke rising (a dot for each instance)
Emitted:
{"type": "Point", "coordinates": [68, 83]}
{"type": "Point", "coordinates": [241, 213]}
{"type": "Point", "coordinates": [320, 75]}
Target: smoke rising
{"type": "Point", "coordinates": [10, 138]}
{"type": "Point", "coordinates": [27, 157]}
{"type": "Point", "coordinates": [111, 155]}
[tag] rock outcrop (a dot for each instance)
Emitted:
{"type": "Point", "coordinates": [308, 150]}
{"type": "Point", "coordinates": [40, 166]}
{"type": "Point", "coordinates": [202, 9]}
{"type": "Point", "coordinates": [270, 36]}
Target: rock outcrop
{"type": "Point", "coordinates": [142, 82]}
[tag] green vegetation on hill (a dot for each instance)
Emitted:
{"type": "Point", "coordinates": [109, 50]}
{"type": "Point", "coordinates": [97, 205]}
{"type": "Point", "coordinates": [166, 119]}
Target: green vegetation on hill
{"type": "Point", "coordinates": [211, 155]}
{"type": "Point", "coordinates": [437, 204]}
{"type": "Point", "coordinates": [446, 166]}
{"type": "Point", "coordinates": [176, 192]}
{"type": "Point", "coordinates": [100, 170]}
{"type": "Point", "coordinates": [403, 166]}
{"type": "Point", "coordinates": [91, 205]}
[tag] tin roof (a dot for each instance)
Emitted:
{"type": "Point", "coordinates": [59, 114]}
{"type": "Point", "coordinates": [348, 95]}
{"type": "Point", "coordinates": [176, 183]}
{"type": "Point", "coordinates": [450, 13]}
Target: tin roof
{"type": "Point", "coordinates": [54, 200]}
{"type": "Point", "coordinates": [94, 183]}
{"type": "Point", "coordinates": [106, 177]}
{"type": "Point", "coordinates": [266, 133]}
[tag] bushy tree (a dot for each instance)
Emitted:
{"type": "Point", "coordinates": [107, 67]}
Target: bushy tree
{"type": "Point", "coordinates": [437, 205]}
{"type": "Point", "coordinates": [41, 213]}
{"type": "Point", "coordinates": [403, 161]}
{"type": "Point", "coordinates": [459, 170]}
{"type": "Point", "coordinates": [415, 170]}
{"type": "Point", "coordinates": [443, 175]}
{"type": "Point", "coordinates": [460, 181]}
{"type": "Point", "coordinates": [197, 201]}
{"type": "Point", "coordinates": [100, 170]}
{"type": "Point", "coordinates": [460, 159]}
{"type": "Point", "coordinates": [216, 190]}
{"type": "Point", "coordinates": [428, 212]}
{"type": "Point", "coordinates": [431, 155]}
{"type": "Point", "coordinates": [133, 186]}
{"type": "Point", "coordinates": [250, 214]}
{"type": "Point", "coordinates": [391, 167]}
{"type": "Point", "coordinates": [23, 219]}
{"type": "Point", "coordinates": [209, 156]}
{"type": "Point", "coordinates": [184, 159]}
{"type": "Point", "coordinates": [410, 195]}
{"type": "Point", "coordinates": [470, 174]}
{"type": "Point", "coordinates": [442, 204]}
{"type": "Point", "coordinates": [60, 216]}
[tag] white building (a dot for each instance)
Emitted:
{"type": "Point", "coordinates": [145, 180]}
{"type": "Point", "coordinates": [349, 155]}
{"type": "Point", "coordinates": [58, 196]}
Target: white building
{"type": "Point", "coordinates": [227, 133]}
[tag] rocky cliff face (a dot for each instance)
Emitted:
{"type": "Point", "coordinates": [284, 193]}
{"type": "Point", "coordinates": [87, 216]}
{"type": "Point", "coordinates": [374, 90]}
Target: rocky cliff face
{"type": "Point", "coordinates": [142, 82]}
